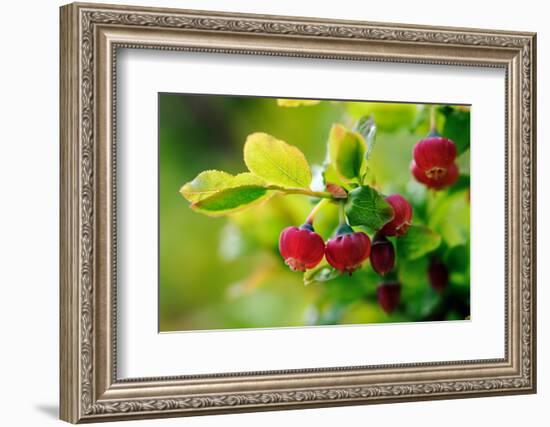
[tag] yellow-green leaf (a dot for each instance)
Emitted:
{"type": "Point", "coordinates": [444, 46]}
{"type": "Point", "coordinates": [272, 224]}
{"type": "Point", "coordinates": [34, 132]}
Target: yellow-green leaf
{"type": "Point", "coordinates": [205, 184]}
{"type": "Point", "coordinates": [347, 151]}
{"type": "Point", "coordinates": [297, 102]}
{"type": "Point", "coordinates": [230, 200]}
{"type": "Point", "coordinates": [210, 182]}
{"type": "Point", "coordinates": [276, 161]}
{"type": "Point", "coordinates": [247, 178]}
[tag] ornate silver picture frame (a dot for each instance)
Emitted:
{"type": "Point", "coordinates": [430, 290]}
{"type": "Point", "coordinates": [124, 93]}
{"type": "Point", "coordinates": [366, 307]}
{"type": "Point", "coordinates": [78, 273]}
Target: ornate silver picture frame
{"type": "Point", "coordinates": [91, 34]}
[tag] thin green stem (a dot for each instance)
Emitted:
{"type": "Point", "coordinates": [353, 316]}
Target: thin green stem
{"type": "Point", "coordinates": [315, 210]}
{"type": "Point", "coordinates": [342, 213]}
{"type": "Point", "coordinates": [433, 119]}
{"type": "Point", "coordinates": [304, 191]}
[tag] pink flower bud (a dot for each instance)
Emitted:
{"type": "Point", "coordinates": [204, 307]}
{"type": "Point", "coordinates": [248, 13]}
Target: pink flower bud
{"type": "Point", "coordinates": [382, 255]}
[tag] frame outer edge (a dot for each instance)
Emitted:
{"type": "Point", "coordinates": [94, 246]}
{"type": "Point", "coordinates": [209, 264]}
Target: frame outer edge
{"type": "Point", "coordinates": [533, 206]}
{"type": "Point", "coordinates": [78, 339]}
{"type": "Point", "coordinates": [69, 225]}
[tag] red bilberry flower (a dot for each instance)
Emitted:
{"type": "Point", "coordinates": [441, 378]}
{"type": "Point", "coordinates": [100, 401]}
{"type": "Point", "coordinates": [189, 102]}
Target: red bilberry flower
{"type": "Point", "coordinates": [434, 162]}
{"type": "Point", "coordinates": [438, 274]}
{"type": "Point", "coordinates": [389, 295]}
{"type": "Point", "coordinates": [402, 215]}
{"type": "Point", "coordinates": [382, 254]}
{"type": "Point", "coordinates": [301, 247]}
{"type": "Point", "coordinates": [348, 249]}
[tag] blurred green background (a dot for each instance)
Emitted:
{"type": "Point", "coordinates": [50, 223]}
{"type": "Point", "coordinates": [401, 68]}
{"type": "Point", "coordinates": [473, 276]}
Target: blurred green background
{"type": "Point", "coordinates": [226, 273]}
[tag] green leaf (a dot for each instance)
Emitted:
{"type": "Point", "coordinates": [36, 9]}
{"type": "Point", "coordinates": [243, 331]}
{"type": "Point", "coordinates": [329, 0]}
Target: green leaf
{"type": "Point", "coordinates": [210, 182]}
{"type": "Point", "coordinates": [219, 193]}
{"type": "Point", "coordinates": [417, 242]}
{"type": "Point", "coordinates": [281, 102]}
{"type": "Point", "coordinates": [365, 206]}
{"type": "Point", "coordinates": [276, 161]}
{"type": "Point", "coordinates": [322, 273]}
{"type": "Point", "coordinates": [457, 126]}
{"type": "Point", "coordinates": [230, 200]}
{"type": "Point", "coordinates": [346, 151]}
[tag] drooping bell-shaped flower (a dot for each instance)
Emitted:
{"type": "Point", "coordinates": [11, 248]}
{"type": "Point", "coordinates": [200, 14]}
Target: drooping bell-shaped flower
{"type": "Point", "coordinates": [347, 250]}
{"type": "Point", "coordinates": [434, 162]}
{"type": "Point", "coordinates": [301, 247]}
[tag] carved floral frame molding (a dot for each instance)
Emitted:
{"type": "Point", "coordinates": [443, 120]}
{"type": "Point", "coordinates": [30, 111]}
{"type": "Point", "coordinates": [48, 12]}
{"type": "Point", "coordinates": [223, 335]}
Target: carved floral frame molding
{"type": "Point", "coordinates": [90, 37]}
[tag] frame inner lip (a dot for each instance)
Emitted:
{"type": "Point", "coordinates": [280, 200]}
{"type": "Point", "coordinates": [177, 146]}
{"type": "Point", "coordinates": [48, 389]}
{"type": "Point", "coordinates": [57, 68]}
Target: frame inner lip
{"type": "Point", "coordinates": [340, 370]}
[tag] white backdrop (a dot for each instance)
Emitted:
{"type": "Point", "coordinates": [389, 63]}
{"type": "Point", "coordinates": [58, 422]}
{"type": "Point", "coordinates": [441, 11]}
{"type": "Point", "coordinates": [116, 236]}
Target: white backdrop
{"type": "Point", "coordinates": [29, 214]}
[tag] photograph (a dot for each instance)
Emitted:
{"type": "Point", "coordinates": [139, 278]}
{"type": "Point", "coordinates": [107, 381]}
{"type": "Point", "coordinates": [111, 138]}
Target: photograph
{"type": "Point", "coordinates": [285, 212]}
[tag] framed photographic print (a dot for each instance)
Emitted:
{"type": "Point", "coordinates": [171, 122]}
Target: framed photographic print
{"type": "Point", "coordinates": [264, 212]}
